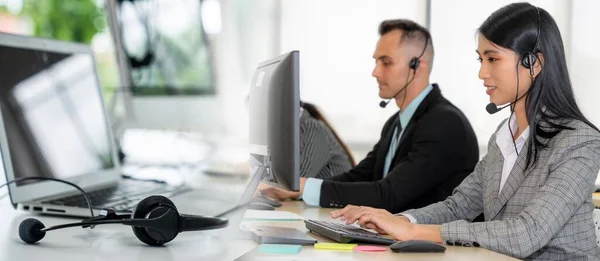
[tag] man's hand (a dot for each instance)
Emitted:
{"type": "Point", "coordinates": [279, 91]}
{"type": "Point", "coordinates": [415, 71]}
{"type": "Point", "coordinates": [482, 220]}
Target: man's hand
{"type": "Point", "coordinates": [280, 194]}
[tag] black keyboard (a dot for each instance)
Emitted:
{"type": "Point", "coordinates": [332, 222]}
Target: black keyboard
{"type": "Point", "coordinates": [122, 197]}
{"type": "Point", "coordinates": [345, 233]}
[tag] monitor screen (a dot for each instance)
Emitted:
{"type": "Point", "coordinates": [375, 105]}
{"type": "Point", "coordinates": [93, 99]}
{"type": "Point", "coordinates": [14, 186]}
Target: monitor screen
{"type": "Point", "coordinates": [53, 113]}
{"type": "Point", "coordinates": [274, 112]}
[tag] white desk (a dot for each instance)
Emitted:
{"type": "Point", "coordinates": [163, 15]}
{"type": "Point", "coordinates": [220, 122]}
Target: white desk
{"type": "Point", "coordinates": [108, 242]}
{"type": "Point", "coordinates": [596, 199]}
{"type": "Point", "coordinates": [117, 242]}
{"type": "Point", "coordinates": [309, 253]}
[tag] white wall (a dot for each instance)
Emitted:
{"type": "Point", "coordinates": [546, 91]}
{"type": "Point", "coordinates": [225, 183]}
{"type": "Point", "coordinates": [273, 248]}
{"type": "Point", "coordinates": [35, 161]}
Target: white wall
{"type": "Point", "coordinates": [585, 58]}
{"type": "Point", "coordinates": [247, 38]}
{"type": "Point", "coordinates": [336, 40]}
{"type": "Point", "coordinates": [455, 65]}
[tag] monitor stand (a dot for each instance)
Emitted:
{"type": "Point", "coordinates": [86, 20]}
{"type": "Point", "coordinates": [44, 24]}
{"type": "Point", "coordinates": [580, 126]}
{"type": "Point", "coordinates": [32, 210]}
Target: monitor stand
{"type": "Point", "coordinates": [259, 233]}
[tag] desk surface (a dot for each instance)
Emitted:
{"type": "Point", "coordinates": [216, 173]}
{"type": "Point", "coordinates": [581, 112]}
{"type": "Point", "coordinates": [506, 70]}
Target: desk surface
{"type": "Point", "coordinates": [117, 242]}
{"type": "Point", "coordinates": [309, 253]}
{"type": "Point", "coordinates": [596, 199]}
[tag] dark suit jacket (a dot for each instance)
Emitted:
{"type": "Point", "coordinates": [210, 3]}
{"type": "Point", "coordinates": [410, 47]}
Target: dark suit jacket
{"type": "Point", "coordinates": [438, 149]}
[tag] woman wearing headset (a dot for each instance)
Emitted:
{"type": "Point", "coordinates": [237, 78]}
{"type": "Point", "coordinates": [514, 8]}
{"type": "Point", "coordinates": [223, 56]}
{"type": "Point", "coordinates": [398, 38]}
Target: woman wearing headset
{"type": "Point", "coordinates": [535, 184]}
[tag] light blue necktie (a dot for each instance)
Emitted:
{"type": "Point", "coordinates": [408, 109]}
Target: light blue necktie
{"type": "Point", "coordinates": [393, 147]}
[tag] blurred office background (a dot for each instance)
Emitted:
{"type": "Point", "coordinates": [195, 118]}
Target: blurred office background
{"type": "Point", "coordinates": [190, 62]}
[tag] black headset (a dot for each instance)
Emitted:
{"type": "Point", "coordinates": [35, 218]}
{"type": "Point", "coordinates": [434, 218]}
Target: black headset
{"type": "Point", "coordinates": [148, 56]}
{"type": "Point", "coordinates": [413, 64]}
{"type": "Point", "coordinates": [154, 220]}
{"type": "Point", "coordinates": [529, 58]}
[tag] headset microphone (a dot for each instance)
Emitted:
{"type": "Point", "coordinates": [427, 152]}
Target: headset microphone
{"type": "Point", "coordinates": [382, 104]}
{"type": "Point", "coordinates": [30, 230]}
{"type": "Point", "coordinates": [492, 108]}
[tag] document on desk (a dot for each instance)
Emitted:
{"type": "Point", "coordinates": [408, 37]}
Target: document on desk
{"type": "Point", "coordinates": [271, 215]}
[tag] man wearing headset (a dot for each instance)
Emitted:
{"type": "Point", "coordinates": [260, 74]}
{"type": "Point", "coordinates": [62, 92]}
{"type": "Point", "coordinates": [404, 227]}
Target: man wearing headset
{"type": "Point", "coordinates": [425, 150]}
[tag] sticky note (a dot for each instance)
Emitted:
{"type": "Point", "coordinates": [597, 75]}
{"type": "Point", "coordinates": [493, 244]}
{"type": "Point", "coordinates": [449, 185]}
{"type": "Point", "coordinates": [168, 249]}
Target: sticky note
{"type": "Point", "coordinates": [279, 248]}
{"type": "Point", "coordinates": [370, 249]}
{"type": "Point", "coordinates": [335, 246]}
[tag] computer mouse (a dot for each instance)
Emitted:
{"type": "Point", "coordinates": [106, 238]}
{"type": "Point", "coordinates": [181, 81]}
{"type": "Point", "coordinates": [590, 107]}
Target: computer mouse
{"type": "Point", "coordinates": [260, 206]}
{"type": "Point", "coordinates": [417, 246]}
{"type": "Point", "coordinates": [263, 199]}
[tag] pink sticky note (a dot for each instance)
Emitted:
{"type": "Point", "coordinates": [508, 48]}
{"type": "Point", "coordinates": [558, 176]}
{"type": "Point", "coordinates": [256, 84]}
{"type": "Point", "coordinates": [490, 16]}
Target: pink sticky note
{"type": "Point", "coordinates": [370, 249]}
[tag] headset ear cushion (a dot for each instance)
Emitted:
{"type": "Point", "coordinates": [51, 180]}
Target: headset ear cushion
{"type": "Point", "coordinates": [414, 63]}
{"type": "Point", "coordinates": [528, 59]}
{"type": "Point", "coordinates": [141, 210]}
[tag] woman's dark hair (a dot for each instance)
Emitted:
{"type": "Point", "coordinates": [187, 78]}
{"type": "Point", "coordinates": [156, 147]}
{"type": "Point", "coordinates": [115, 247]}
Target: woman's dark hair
{"type": "Point", "coordinates": [316, 113]}
{"type": "Point", "coordinates": [550, 103]}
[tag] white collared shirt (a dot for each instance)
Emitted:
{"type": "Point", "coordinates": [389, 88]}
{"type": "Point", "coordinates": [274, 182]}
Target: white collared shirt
{"type": "Point", "coordinates": [504, 141]}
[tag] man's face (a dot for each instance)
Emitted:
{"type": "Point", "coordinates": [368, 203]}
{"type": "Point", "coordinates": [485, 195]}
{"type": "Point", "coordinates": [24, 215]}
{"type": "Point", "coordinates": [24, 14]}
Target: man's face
{"type": "Point", "coordinates": [391, 64]}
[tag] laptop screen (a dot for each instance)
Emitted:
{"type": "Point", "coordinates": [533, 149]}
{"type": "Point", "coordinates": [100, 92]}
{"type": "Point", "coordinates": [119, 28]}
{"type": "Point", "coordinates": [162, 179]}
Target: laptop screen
{"type": "Point", "coordinates": [53, 113]}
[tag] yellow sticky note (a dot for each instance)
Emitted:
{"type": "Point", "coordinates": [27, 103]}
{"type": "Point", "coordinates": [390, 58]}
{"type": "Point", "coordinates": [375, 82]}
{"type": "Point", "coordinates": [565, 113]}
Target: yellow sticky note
{"type": "Point", "coordinates": [335, 246]}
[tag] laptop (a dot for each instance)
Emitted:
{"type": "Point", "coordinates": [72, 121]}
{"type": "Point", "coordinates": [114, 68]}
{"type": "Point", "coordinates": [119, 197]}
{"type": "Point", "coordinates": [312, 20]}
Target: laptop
{"type": "Point", "coordinates": [53, 123]}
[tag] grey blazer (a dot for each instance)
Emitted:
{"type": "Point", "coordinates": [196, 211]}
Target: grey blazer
{"type": "Point", "coordinates": [543, 213]}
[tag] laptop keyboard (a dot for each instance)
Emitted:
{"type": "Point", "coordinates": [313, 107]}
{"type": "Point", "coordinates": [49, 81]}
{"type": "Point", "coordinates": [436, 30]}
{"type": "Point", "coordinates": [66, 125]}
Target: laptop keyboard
{"type": "Point", "coordinates": [122, 197]}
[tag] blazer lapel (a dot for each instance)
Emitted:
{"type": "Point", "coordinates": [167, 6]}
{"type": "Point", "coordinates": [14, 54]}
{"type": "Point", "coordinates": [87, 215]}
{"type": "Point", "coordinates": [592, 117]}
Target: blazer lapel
{"type": "Point", "coordinates": [512, 184]}
{"type": "Point", "coordinates": [407, 131]}
{"type": "Point", "coordinates": [493, 174]}
{"type": "Point", "coordinates": [431, 98]}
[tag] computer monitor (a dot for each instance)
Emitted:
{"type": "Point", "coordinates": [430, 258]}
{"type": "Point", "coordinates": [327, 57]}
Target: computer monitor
{"type": "Point", "coordinates": [274, 141]}
{"type": "Point", "coordinates": [274, 116]}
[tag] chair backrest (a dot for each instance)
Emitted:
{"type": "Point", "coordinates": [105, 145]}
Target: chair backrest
{"type": "Point", "coordinates": [597, 225]}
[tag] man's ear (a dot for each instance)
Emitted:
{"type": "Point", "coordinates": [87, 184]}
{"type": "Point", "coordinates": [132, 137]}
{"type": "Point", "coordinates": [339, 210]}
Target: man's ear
{"type": "Point", "coordinates": [423, 68]}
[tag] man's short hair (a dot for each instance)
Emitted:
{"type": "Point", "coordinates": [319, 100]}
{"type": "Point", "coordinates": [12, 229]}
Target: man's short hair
{"type": "Point", "coordinates": [411, 31]}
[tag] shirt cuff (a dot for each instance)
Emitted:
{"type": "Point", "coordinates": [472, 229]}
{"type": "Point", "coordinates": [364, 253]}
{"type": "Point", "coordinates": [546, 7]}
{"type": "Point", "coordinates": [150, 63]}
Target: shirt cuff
{"type": "Point", "coordinates": [410, 218]}
{"type": "Point", "coordinates": [312, 192]}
